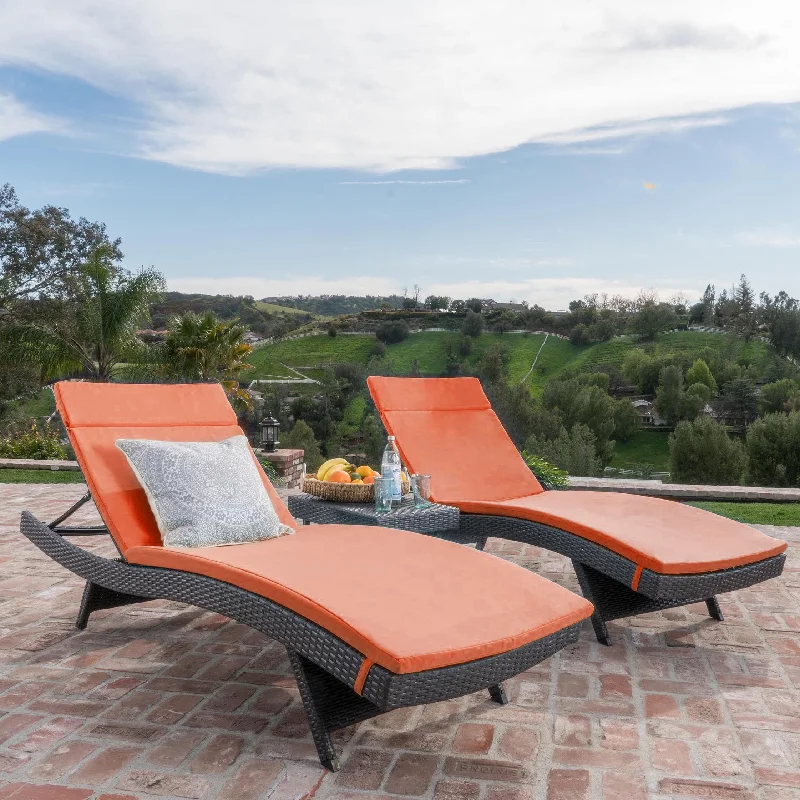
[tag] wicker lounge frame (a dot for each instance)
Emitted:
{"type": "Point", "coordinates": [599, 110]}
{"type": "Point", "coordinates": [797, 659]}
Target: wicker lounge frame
{"type": "Point", "coordinates": [605, 577]}
{"type": "Point", "coordinates": [325, 667]}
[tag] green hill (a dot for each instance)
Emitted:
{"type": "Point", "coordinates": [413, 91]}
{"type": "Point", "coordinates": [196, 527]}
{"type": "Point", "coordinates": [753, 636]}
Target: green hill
{"type": "Point", "coordinates": [429, 350]}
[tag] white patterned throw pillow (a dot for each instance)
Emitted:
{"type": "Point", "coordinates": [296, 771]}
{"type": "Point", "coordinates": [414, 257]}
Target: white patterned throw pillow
{"type": "Point", "coordinates": [203, 493]}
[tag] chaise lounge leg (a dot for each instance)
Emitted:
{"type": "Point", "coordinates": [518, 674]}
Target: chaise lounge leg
{"type": "Point", "coordinates": [97, 597]}
{"type": "Point", "coordinates": [329, 705]}
{"type": "Point", "coordinates": [480, 543]}
{"type": "Point", "coordinates": [498, 694]}
{"type": "Point", "coordinates": [714, 611]}
{"type": "Point", "coordinates": [592, 592]}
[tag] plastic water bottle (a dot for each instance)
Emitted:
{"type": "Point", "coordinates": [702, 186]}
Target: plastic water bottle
{"type": "Point", "coordinates": [392, 468]}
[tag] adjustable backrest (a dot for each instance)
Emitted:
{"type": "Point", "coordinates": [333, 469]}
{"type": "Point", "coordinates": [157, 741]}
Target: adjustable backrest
{"type": "Point", "coordinates": [97, 414]}
{"type": "Point", "coordinates": [446, 427]}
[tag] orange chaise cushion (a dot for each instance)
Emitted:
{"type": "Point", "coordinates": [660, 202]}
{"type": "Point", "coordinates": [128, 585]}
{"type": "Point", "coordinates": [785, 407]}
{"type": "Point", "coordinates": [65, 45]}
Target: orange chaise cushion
{"type": "Point", "coordinates": [446, 427]}
{"type": "Point", "coordinates": [659, 535]}
{"type": "Point", "coordinates": [407, 602]}
{"type": "Point", "coordinates": [97, 414]}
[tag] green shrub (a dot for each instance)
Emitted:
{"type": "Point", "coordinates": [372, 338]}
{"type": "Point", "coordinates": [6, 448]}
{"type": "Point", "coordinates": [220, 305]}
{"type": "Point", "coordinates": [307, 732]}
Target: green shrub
{"type": "Point", "coordinates": [573, 451]}
{"type": "Point", "coordinates": [392, 332]}
{"type": "Point", "coordinates": [473, 324]}
{"type": "Point", "coordinates": [773, 450]}
{"type": "Point", "coordinates": [702, 452]}
{"type": "Point", "coordinates": [34, 442]}
{"type": "Point", "coordinates": [301, 437]}
{"type": "Point", "coordinates": [549, 476]}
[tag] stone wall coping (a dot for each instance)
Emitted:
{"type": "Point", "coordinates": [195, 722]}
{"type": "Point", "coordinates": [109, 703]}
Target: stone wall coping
{"type": "Point", "coordinates": [30, 463]}
{"type": "Point", "coordinates": [680, 491]}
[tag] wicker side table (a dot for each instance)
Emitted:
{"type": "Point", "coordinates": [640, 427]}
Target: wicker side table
{"type": "Point", "coordinates": [434, 520]}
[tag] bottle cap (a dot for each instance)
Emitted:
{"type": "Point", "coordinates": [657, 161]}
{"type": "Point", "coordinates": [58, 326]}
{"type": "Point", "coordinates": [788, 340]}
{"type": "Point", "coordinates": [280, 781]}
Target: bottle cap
{"type": "Point", "coordinates": [391, 438]}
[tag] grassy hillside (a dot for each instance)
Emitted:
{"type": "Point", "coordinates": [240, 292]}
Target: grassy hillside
{"type": "Point", "coordinates": [429, 350]}
{"type": "Point", "coordinates": [272, 308]}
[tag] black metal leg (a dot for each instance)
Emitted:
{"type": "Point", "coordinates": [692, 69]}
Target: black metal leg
{"type": "Point", "coordinates": [97, 597]}
{"type": "Point", "coordinates": [481, 543]}
{"type": "Point", "coordinates": [498, 694]}
{"type": "Point", "coordinates": [714, 611]}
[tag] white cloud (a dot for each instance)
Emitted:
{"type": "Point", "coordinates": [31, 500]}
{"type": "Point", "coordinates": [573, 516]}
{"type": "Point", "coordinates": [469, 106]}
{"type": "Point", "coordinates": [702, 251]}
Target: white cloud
{"type": "Point", "coordinates": [767, 238]}
{"type": "Point", "coordinates": [552, 293]}
{"type": "Point", "coordinates": [17, 119]}
{"type": "Point", "coordinates": [245, 86]}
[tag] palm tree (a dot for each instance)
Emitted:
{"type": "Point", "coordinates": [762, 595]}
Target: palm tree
{"type": "Point", "coordinates": [201, 347]}
{"type": "Point", "coordinates": [94, 332]}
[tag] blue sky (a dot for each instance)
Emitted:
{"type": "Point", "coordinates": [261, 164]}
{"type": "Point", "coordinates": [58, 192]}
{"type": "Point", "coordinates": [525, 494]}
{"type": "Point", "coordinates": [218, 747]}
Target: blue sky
{"type": "Point", "coordinates": [449, 163]}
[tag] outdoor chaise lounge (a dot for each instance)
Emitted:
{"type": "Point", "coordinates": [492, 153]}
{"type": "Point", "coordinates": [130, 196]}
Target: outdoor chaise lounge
{"type": "Point", "coordinates": [372, 618]}
{"type": "Point", "coordinates": [632, 554]}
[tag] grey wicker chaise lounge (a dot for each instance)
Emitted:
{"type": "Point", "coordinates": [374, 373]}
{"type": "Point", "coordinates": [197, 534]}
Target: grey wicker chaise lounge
{"type": "Point", "coordinates": [631, 554]}
{"type": "Point", "coordinates": [372, 618]}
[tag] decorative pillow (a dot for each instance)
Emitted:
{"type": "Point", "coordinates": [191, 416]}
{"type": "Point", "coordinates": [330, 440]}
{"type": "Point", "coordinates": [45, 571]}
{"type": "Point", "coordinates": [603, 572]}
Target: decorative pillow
{"type": "Point", "coordinates": [203, 493]}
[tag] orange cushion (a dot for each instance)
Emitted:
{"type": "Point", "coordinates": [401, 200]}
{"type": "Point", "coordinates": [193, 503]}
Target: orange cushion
{"type": "Point", "coordinates": [659, 535]}
{"type": "Point", "coordinates": [96, 404]}
{"type": "Point", "coordinates": [97, 414]}
{"type": "Point", "coordinates": [446, 427]}
{"type": "Point", "coordinates": [407, 602]}
{"type": "Point", "coordinates": [428, 394]}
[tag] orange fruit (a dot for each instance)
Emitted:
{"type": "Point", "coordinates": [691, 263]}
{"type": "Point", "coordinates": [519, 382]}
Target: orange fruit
{"type": "Point", "coordinates": [370, 478]}
{"type": "Point", "coordinates": [339, 476]}
{"type": "Point", "coordinates": [364, 471]}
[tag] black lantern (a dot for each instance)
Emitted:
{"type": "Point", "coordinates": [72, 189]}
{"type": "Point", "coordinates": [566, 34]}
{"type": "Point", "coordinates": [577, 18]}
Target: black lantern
{"type": "Point", "coordinates": [269, 433]}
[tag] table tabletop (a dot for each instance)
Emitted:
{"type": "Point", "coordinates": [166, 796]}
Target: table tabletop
{"type": "Point", "coordinates": [433, 519]}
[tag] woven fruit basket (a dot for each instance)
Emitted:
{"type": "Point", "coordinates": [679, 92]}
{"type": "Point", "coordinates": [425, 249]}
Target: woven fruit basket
{"type": "Point", "coordinates": [340, 492]}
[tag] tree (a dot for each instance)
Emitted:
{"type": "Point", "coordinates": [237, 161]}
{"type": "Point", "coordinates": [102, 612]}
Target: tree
{"type": "Point", "coordinates": [94, 331]}
{"type": "Point", "coordinates": [201, 347]}
{"type": "Point", "coordinates": [775, 396]}
{"type": "Point", "coordinates": [773, 450]}
{"type": "Point", "coordinates": [669, 394]}
{"type": "Point", "coordinates": [744, 320]}
{"type": "Point", "coordinates": [42, 252]}
{"type": "Point", "coordinates": [739, 402]}
{"type": "Point", "coordinates": [473, 324]}
{"type": "Point", "coordinates": [475, 304]}
{"type": "Point", "coordinates": [653, 318]}
{"type": "Point", "coordinates": [301, 437]}
{"type": "Point", "coordinates": [573, 451]}
{"type": "Point", "coordinates": [392, 332]}
{"type": "Point", "coordinates": [437, 302]}
{"type": "Point", "coordinates": [702, 452]}
{"type": "Point", "coordinates": [374, 439]}
{"type": "Point", "coordinates": [700, 373]}
{"type": "Point", "coordinates": [626, 421]}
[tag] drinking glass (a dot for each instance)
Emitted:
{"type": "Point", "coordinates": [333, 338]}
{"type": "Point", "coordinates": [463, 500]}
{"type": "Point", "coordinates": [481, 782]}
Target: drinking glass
{"type": "Point", "coordinates": [421, 486]}
{"type": "Point", "coordinates": [383, 494]}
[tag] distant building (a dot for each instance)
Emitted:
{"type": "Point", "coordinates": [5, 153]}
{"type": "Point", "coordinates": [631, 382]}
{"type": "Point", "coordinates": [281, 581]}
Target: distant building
{"type": "Point", "coordinates": [648, 416]}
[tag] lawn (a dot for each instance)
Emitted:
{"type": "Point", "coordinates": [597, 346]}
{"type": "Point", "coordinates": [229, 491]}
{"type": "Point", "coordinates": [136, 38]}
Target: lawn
{"type": "Point", "coordinates": [40, 476]}
{"type": "Point", "coordinates": [645, 448]}
{"type": "Point", "coordinates": [756, 513]}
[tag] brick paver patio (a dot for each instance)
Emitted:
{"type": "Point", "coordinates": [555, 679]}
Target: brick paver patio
{"type": "Point", "coordinates": [170, 701]}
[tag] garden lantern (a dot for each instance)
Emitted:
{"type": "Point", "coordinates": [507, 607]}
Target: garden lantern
{"type": "Point", "coordinates": [269, 433]}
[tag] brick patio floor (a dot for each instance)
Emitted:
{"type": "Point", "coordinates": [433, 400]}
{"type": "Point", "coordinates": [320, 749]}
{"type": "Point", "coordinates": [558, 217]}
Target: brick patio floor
{"type": "Point", "coordinates": [167, 700]}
